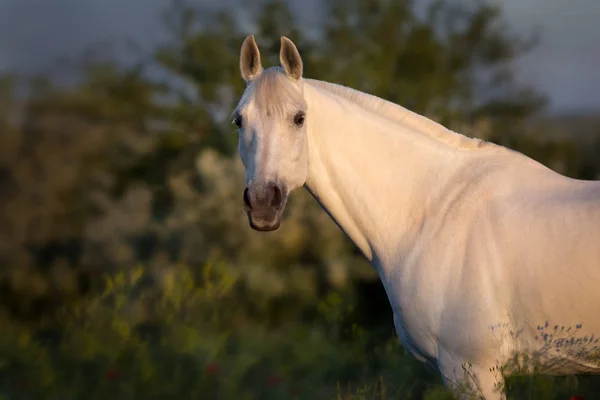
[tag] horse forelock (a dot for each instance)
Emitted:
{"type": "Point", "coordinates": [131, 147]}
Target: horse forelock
{"type": "Point", "coordinates": [273, 94]}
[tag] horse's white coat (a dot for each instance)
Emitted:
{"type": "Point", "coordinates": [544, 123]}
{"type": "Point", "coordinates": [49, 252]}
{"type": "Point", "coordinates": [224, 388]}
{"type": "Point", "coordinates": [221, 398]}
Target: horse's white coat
{"type": "Point", "coordinates": [471, 240]}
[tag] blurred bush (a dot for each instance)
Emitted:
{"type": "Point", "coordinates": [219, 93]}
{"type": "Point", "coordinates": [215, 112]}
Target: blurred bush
{"type": "Point", "coordinates": [181, 337]}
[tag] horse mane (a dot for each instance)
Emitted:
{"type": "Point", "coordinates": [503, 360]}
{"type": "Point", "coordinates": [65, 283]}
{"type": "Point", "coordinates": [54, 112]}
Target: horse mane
{"type": "Point", "coordinates": [401, 115]}
{"type": "Point", "coordinates": [273, 91]}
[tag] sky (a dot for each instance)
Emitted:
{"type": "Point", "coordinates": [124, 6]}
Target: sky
{"type": "Point", "coordinates": [565, 66]}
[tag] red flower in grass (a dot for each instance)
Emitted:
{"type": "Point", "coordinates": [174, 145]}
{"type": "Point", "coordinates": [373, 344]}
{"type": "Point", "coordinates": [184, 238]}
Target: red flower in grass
{"type": "Point", "coordinates": [273, 380]}
{"type": "Point", "coordinates": [577, 397]}
{"type": "Point", "coordinates": [212, 369]}
{"type": "Point", "coordinates": [112, 375]}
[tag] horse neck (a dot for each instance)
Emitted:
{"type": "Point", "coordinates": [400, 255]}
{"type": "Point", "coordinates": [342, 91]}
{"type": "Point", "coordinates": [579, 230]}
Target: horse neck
{"type": "Point", "coordinates": [374, 177]}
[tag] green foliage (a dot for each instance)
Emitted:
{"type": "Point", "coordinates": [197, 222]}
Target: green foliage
{"type": "Point", "coordinates": [454, 63]}
{"type": "Point", "coordinates": [145, 338]}
{"type": "Point", "coordinates": [176, 338]}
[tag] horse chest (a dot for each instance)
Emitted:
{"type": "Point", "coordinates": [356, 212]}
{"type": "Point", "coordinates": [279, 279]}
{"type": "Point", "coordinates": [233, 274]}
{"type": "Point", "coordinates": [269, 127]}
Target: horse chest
{"type": "Point", "coordinates": [416, 344]}
{"type": "Point", "coordinates": [414, 314]}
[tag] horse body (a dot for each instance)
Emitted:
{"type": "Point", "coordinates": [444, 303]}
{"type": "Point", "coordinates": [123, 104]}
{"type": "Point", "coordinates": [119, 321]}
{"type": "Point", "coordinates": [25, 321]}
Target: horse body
{"type": "Point", "coordinates": [482, 251]}
{"type": "Point", "coordinates": [470, 247]}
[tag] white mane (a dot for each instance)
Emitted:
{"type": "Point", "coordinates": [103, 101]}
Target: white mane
{"type": "Point", "coordinates": [272, 90]}
{"type": "Point", "coordinates": [401, 115]}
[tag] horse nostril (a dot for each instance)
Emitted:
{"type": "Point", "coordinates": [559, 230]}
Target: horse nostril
{"type": "Point", "coordinates": [247, 199]}
{"type": "Point", "coordinates": [277, 196]}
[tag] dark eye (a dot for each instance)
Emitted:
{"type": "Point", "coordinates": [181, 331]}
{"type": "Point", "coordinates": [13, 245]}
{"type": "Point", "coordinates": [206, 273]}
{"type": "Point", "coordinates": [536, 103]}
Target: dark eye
{"type": "Point", "coordinates": [299, 118]}
{"type": "Point", "coordinates": [238, 121]}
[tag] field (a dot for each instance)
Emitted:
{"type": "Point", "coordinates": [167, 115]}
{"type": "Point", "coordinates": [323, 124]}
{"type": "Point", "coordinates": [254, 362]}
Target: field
{"type": "Point", "coordinates": [140, 341]}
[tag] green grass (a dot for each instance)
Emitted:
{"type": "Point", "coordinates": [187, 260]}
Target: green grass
{"type": "Point", "coordinates": [185, 341]}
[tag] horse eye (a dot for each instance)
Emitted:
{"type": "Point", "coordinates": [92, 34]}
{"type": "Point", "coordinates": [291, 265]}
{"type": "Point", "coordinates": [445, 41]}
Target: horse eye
{"type": "Point", "coordinates": [299, 118]}
{"type": "Point", "coordinates": [238, 121]}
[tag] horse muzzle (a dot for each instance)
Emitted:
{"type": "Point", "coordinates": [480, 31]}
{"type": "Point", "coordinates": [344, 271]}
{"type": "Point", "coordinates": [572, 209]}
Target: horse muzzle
{"type": "Point", "coordinates": [264, 205]}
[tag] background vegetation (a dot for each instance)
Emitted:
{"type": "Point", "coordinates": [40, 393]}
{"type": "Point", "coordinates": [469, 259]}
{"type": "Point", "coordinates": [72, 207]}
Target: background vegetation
{"type": "Point", "coordinates": [127, 268]}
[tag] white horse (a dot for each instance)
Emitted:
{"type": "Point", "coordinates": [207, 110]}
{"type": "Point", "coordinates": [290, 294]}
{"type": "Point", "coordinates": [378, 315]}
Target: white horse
{"type": "Point", "coordinates": [482, 251]}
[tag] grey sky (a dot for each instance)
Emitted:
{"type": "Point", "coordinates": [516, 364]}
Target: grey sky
{"type": "Point", "coordinates": [566, 65]}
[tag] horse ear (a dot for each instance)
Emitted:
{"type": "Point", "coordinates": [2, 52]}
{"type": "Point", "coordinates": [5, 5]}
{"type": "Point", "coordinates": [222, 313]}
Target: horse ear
{"type": "Point", "coordinates": [250, 65]}
{"type": "Point", "coordinates": [290, 59]}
